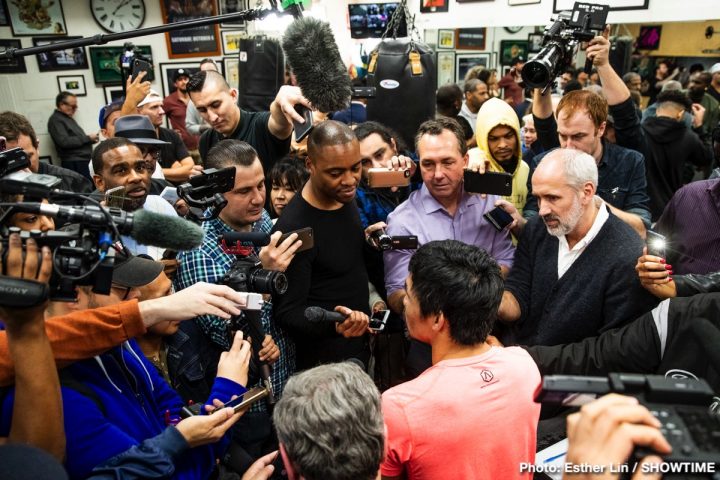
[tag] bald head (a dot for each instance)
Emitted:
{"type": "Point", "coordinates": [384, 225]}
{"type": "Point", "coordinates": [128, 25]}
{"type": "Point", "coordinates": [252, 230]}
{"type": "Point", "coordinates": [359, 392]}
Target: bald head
{"type": "Point", "coordinates": [328, 134]}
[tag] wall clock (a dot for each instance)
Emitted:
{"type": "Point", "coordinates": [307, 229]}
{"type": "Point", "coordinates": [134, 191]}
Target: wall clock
{"type": "Point", "coordinates": [117, 16]}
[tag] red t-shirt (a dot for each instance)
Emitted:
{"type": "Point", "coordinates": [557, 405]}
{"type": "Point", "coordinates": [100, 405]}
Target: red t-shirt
{"type": "Point", "coordinates": [468, 418]}
{"type": "Point", "coordinates": [175, 109]}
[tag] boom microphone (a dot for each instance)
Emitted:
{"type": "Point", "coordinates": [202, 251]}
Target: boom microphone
{"type": "Point", "coordinates": [317, 314]}
{"type": "Point", "coordinates": [314, 58]}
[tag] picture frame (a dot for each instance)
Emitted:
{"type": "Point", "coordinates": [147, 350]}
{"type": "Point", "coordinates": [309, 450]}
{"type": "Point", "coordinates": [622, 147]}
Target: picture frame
{"type": "Point", "coordinates": [231, 41]}
{"type": "Point", "coordinates": [67, 59]}
{"type": "Point", "coordinates": [11, 65]}
{"type": "Point", "coordinates": [560, 5]}
{"type": "Point", "coordinates": [112, 93]}
{"type": "Point", "coordinates": [470, 38]}
{"type": "Point", "coordinates": [191, 42]}
{"type": "Point", "coordinates": [47, 18]}
{"type": "Point", "coordinates": [510, 49]}
{"type": "Point", "coordinates": [535, 41]}
{"type": "Point", "coordinates": [446, 68]}
{"type": "Point", "coordinates": [232, 6]}
{"type": "Point", "coordinates": [231, 67]}
{"type": "Point", "coordinates": [465, 61]}
{"type": "Point", "coordinates": [446, 39]}
{"type": "Point", "coordinates": [649, 37]}
{"type": "Point", "coordinates": [74, 84]}
{"type": "Point", "coordinates": [105, 62]}
{"type": "Point", "coordinates": [434, 6]}
{"type": "Point", "coordinates": [4, 19]}
{"type": "Point", "coordinates": [513, 3]}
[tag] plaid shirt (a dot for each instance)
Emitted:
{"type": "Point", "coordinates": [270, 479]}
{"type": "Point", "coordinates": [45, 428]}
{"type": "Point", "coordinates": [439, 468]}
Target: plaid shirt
{"type": "Point", "coordinates": [375, 204]}
{"type": "Point", "coordinates": [209, 263]}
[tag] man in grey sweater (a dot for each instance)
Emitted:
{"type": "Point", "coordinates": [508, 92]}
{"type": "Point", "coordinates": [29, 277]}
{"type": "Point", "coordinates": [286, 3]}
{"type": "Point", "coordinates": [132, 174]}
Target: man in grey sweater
{"type": "Point", "coordinates": [73, 145]}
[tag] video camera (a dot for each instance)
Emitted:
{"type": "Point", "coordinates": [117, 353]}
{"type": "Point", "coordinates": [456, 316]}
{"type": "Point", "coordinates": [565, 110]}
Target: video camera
{"type": "Point", "coordinates": [383, 241]}
{"type": "Point", "coordinates": [682, 405]}
{"type": "Point", "coordinates": [560, 43]}
{"type": "Point", "coordinates": [204, 191]}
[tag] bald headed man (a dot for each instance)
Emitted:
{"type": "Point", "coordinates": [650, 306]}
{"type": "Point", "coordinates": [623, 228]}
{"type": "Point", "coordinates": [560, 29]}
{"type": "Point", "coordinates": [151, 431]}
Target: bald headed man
{"type": "Point", "coordinates": [573, 275]}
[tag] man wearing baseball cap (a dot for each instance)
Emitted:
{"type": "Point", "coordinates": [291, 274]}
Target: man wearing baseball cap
{"type": "Point", "coordinates": [175, 106]}
{"type": "Point", "coordinates": [714, 88]}
{"type": "Point", "coordinates": [511, 82]}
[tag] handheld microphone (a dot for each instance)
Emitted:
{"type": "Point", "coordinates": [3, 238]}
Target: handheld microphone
{"type": "Point", "coordinates": [317, 314]}
{"type": "Point", "coordinates": [258, 239]}
{"type": "Point", "coordinates": [314, 58]}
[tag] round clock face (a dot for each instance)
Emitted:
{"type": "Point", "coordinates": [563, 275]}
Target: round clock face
{"type": "Point", "coordinates": [513, 29]}
{"type": "Point", "coordinates": [118, 15]}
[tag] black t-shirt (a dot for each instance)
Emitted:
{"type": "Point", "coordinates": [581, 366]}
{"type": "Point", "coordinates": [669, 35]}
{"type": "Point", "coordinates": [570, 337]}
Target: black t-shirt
{"type": "Point", "coordinates": [331, 273]}
{"type": "Point", "coordinates": [174, 152]}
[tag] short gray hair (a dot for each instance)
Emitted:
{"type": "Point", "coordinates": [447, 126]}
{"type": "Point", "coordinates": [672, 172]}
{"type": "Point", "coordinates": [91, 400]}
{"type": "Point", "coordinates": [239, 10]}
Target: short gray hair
{"type": "Point", "coordinates": [671, 85]}
{"type": "Point", "coordinates": [579, 167]}
{"type": "Point", "coordinates": [329, 420]}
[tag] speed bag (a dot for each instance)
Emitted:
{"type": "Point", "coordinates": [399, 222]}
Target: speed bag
{"type": "Point", "coordinates": [404, 76]}
{"type": "Point", "coordinates": [261, 71]}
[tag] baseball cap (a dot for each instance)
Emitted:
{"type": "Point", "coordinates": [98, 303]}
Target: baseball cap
{"type": "Point", "coordinates": [715, 69]}
{"type": "Point", "coordinates": [107, 110]}
{"type": "Point", "coordinates": [153, 96]}
{"type": "Point", "coordinates": [516, 60]}
{"type": "Point", "coordinates": [135, 270]}
{"type": "Point", "coordinates": [181, 72]}
{"type": "Point", "coordinates": [137, 129]}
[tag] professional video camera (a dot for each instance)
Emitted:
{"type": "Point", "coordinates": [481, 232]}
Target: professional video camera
{"type": "Point", "coordinates": [204, 192]}
{"type": "Point", "coordinates": [560, 43]}
{"type": "Point", "coordinates": [682, 405]}
{"type": "Point", "coordinates": [381, 240]}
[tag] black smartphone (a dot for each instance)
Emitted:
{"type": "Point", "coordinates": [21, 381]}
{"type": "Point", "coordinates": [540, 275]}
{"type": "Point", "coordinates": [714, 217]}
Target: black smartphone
{"type": "Point", "coordinates": [250, 397]}
{"type": "Point", "coordinates": [378, 320]}
{"type": "Point", "coordinates": [492, 183]}
{"type": "Point", "coordinates": [304, 234]}
{"type": "Point", "coordinates": [655, 244]}
{"type": "Point", "coordinates": [498, 218]}
{"type": "Point", "coordinates": [404, 242]}
{"type": "Point", "coordinates": [303, 129]}
{"type": "Point", "coordinates": [140, 65]}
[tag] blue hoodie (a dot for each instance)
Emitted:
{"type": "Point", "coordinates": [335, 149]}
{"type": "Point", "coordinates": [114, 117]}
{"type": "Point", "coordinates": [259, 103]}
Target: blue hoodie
{"type": "Point", "coordinates": [134, 401]}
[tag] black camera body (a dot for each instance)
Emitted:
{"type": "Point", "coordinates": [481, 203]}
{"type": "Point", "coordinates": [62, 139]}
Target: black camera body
{"type": "Point", "coordinates": [205, 192]}
{"type": "Point", "coordinates": [383, 241]}
{"type": "Point", "coordinates": [247, 275]}
{"type": "Point", "coordinates": [560, 43]}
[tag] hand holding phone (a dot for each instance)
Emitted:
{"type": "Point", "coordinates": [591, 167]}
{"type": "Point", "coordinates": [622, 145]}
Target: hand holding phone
{"type": "Point", "coordinates": [305, 235]}
{"type": "Point", "coordinates": [492, 183]}
{"type": "Point", "coordinates": [379, 320]}
{"type": "Point", "coordinates": [303, 129]}
{"type": "Point", "coordinates": [498, 218]}
{"type": "Point", "coordinates": [139, 65]}
{"type": "Point", "coordinates": [656, 244]}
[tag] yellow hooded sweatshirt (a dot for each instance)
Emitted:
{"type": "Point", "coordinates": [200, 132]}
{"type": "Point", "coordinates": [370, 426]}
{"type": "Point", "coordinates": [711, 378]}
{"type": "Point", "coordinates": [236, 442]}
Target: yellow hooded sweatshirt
{"type": "Point", "coordinates": [496, 112]}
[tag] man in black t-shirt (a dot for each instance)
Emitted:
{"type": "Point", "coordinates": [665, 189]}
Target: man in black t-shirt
{"type": "Point", "coordinates": [332, 274]}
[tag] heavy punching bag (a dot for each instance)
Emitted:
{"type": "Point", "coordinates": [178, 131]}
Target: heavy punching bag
{"type": "Point", "coordinates": [262, 72]}
{"type": "Point", "coordinates": [403, 72]}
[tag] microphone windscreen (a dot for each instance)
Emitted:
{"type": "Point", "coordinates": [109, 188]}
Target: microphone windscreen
{"type": "Point", "coordinates": [258, 239]}
{"type": "Point", "coordinates": [166, 231]}
{"type": "Point", "coordinates": [315, 60]}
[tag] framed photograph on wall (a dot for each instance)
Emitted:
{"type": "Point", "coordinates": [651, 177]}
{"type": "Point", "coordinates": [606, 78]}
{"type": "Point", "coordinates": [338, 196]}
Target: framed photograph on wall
{"type": "Point", "coordinates": [470, 38]}
{"type": "Point", "coordinates": [232, 6]}
{"type": "Point", "coordinates": [510, 49]}
{"type": "Point", "coordinates": [232, 71]}
{"type": "Point", "coordinates": [113, 93]}
{"type": "Point", "coordinates": [231, 41]}
{"type": "Point", "coordinates": [191, 42]}
{"type": "Point", "coordinates": [535, 41]}
{"type": "Point", "coordinates": [68, 59]}
{"type": "Point", "coordinates": [11, 65]}
{"type": "Point", "coordinates": [560, 5]}
{"type": "Point", "coordinates": [465, 61]}
{"type": "Point", "coordinates": [74, 84]}
{"type": "Point", "coordinates": [28, 18]}
{"type": "Point", "coordinates": [446, 39]}
{"type": "Point", "coordinates": [446, 68]}
{"type": "Point", "coordinates": [105, 62]}
{"type": "Point", "coordinates": [432, 6]}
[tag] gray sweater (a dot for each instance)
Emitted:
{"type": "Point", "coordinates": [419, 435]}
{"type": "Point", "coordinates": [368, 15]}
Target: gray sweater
{"type": "Point", "coordinates": [599, 291]}
{"type": "Point", "coordinates": [71, 142]}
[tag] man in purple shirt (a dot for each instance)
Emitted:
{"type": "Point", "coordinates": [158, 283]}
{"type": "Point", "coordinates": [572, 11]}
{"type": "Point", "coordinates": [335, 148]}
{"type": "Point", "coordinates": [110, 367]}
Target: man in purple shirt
{"type": "Point", "coordinates": [691, 223]}
{"type": "Point", "coordinates": [441, 209]}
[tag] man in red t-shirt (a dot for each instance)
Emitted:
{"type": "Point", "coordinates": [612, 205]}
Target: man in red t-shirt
{"type": "Point", "coordinates": [513, 92]}
{"type": "Point", "coordinates": [472, 414]}
{"type": "Point", "coordinates": [175, 106]}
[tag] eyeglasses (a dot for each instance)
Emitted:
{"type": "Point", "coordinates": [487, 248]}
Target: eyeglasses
{"type": "Point", "coordinates": [153, 152]}
{"type": "Point", "coordinates": [71, 105]}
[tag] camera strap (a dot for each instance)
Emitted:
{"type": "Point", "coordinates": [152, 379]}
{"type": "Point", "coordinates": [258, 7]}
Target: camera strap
{"type": "Point", "coordinates": [20, 293]}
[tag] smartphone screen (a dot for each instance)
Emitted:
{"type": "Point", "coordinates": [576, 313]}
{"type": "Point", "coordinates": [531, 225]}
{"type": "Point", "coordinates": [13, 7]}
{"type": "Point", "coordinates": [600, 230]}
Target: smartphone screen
{"type": "Point", "coordinates": [655, 244]}
{"type": "Point", "coordinates": [115, 197]}
{"type": "Point", "coordinates": [378, 320]}
{"type": "Point", "coordinates": [250, 397]}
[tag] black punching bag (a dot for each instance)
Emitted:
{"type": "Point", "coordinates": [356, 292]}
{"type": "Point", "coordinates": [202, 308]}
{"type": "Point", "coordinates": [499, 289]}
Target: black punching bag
{"type": "Point", "coordinates": [404, 76]}
{"type": "Point", "coordinates": [262, 72]}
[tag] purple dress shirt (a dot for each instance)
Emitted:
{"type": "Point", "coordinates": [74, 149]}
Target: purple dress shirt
{"type": "Point", "coordinates": [425, 217]}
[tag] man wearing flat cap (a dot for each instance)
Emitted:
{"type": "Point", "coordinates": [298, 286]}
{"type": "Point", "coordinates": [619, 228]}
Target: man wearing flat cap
{"type": "Point", "coordinates": [175, 106]}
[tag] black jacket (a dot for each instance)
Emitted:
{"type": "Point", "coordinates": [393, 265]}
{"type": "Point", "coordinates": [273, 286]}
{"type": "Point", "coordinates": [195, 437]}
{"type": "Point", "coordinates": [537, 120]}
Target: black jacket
{"type": "Point", "coordinates": [71, 142]}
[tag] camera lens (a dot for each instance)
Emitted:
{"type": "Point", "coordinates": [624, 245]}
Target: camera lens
{"type": "Point", "coordinates": [268, 281]}
{"type": "Point", "coordinates": [540, 71]}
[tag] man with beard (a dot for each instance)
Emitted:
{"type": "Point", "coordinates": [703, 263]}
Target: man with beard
{"type": "Point", "coordinates": [697, 91]}
{"type": "Point", "coordinates": [476, 93]}
{"type": "Point", "coordinates": [175, 106]}
{"type": "Point", "coordinates": [573, 275]}
{"type": "Point", "coordinates": [119, 163]}
{"type": "Point", "coordinates": [332, 274]}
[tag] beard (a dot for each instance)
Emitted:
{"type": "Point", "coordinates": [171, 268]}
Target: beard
{"type": "Point", "coordinates": [566, 223]}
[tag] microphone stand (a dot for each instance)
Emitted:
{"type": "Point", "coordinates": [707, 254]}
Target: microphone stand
{"type": "Point", "coordinates": [101, 38]}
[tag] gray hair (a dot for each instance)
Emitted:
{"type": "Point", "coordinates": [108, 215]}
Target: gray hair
{"type": "Point", "coordinates": [329, 420]}
{"type": "Point", "coordinates": [671, 85]}
{"type": "Point", "coordinates": [579, 167]}
{"type": "Point", "coordinates": [471, 84]}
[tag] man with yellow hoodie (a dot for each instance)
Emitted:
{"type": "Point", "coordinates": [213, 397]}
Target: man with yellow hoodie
{"type": "Point", "coordinates": [499, 148]}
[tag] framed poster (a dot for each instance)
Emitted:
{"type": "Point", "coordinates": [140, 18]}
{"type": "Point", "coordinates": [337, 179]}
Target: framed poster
{"type": "Point", "coordinates": [465, 61]}
{"type": "Point", "coordinates": [168, 70]}
{"type": "Point", "coordinates": [446, 68]}
{"type": "Point", "coordinates": [11, 65]}
{"type": "Point", "coordinates": [68, 59]}
{"type": "Point", "coordinates": [510, 49]}
{"type": "Point", "coordinates": [535, 41]}
{"type": "Point", "coordinates": [191, 42]}
{"type": "Point", "coordinates": [74, 84]}
{"type": "Point", "coordinates": [232, 6]}
{"type": "Point", "coordinates": [33, 18]}
{"type": "Point", "coordinates": [113, 93]}
{"type": "Point", "coordinates": [105, 62]}
{"type": "Point", "coordinates": [432, 6]}
{"type": "Point", "coordinates": [231, 41]}
{"type": "Point", "coordinates": [232, 71]}
{"type": "Point", "coordinates": [446, 39]}
{"type": "Point", "coordinates": [560, 5]}
{"type": "Point", "coordinates": [470, 39]}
